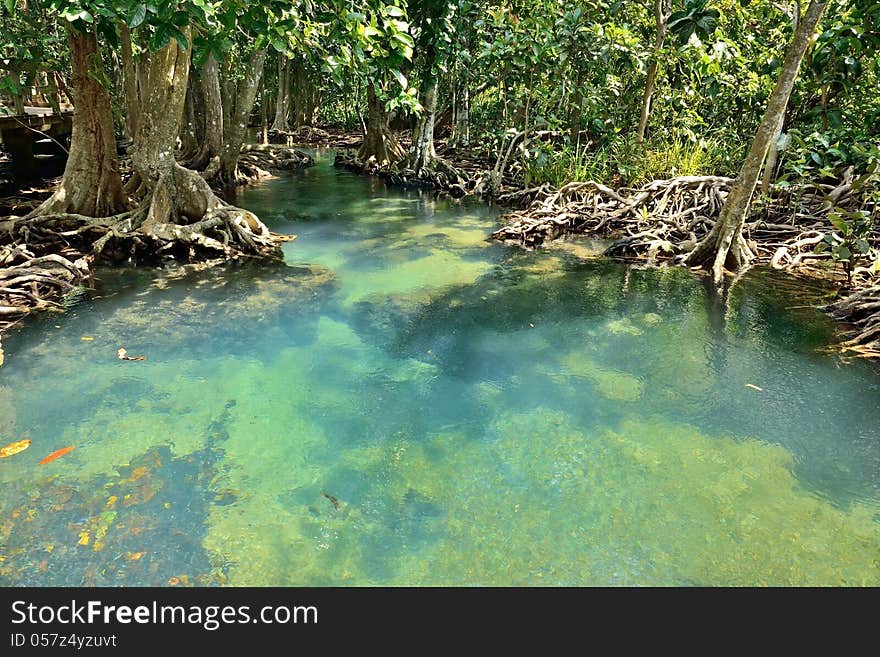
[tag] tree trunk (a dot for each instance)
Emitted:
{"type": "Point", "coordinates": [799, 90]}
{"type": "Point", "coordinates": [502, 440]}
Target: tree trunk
{"type": "Point", "coordinates": [212, 126]}
{"type": "Point", "coordinates": [282, 104]}
{"type": "Point", "coordinates": [724, 246]}
{"type": "Point", "coordinates": [661, 17]}
{"type": "Point", "coordinates": [380, 145]}
{"type": "Point", "coordinates": [235, 131]}
{"type": "Point", "coordinates": [301, 93]}
{"type": "Point", "coordinates": [189, 144]}
{"type": "Point", "coordinates": [130, 83]}
{"type": "Point", "coordinates": [773, 154]}
{"type": "Point", "coordinates": [52, 93]}
{"type": "Point", "coordinates": [462, 126]}
{"type": "Point", "coordinates": [264, 115]}
{"type": "Point", "coordinates": [424, 155]}
{"type": "Point", "coordinates": [91, 185]}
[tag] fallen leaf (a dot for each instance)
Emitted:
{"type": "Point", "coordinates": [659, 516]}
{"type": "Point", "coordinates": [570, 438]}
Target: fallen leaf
{"type": "Point", "coordinates": [173, 581]}
{"type": "Point", "coordinates": [14, 448]}
{"type": "Point", "coordinates": [87, 338]}
{"type": "Point", "coordinates": [111, 501]}
{"type": "Point", "coordinates": [56, 454]}
{"type": "Point", "coordinates": [134, 556]}
{"type": "Point", "coordinates": [83, 538]}
{"type": "Point", "coordinates": [122, 354]}
{"type": "Point", "coordinates": [754, 387]}
{"type": "Point", "coordinates": [137, 473]}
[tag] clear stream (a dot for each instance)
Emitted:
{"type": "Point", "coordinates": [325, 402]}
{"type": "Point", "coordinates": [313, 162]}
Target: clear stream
{"type": "Point", "coordinates": [405, 403]}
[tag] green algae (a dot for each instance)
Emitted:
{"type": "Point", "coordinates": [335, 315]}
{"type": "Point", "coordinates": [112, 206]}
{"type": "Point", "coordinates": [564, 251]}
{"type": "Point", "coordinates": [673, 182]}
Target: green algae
{"type": "Point", "coordinates": [611, 384]}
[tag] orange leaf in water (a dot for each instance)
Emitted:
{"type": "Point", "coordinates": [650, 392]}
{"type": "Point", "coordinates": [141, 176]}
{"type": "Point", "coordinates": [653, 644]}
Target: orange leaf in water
{"type": "Point", "coordinates": [137, 473]}
{"type": "Point", "coordinates": [54, 455]}
{"type": "Point", "coordinates": [134, 556]}
{"type": "Point", "coordinates": [14, 448]}
{"type": "Point", "coordinates": [173, 581]}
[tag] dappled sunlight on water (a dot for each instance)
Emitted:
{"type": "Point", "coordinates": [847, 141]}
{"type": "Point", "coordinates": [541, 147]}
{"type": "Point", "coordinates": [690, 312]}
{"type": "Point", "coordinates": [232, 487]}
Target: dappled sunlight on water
{"type": "Point", "coordinates": [406, 403]}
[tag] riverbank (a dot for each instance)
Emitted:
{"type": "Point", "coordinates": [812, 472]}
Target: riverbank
{"type": "Point", "coordinates": [46, 260]}
{"type": "Point", "coordinates": [662, 221]}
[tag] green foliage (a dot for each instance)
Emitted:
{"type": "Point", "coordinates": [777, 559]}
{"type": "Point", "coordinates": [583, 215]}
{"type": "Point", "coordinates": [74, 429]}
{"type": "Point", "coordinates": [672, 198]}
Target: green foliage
{"type": "Point", "coordinates": [849, 243]}
{"type": "Point", "coordinates": [694, 19]}
{"type": "Point", "coordinates": [623, 161]}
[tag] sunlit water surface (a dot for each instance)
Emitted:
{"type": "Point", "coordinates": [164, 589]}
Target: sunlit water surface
{"type": "Point", "coordinates": [405, 403]}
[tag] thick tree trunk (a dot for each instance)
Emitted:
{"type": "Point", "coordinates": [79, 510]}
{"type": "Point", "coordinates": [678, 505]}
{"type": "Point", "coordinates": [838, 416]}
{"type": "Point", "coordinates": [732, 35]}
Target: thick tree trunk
{"type": "Point", "coordinates": [189, 144]}
{"type": "Point", "coordinates": [424, 155]}
{"type": "Point", "coordinates": [91, 185]}
{"type": "Point", "coordinates": [234, 131]}
{"type": "Point", "coordinates": [380, 145]}
{"type": "Point", "coordinates": [282, 104]}
{"type": "Point", "coordinates": [178, 205]}
{"type": "Point", "coordinates": [302, 91]}
{"type": "Point", "coordinates": [661, 17]}
{"type": "Point", "coordinates": [130, 83]}
{"type": "Point", "coordinates": [212, 127]}
{"type": "Point", "coordinates": [724, 246]}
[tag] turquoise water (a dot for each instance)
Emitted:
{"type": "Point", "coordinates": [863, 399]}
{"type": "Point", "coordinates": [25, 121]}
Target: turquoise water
{"type": "Point", "coordinates": [405, 403]}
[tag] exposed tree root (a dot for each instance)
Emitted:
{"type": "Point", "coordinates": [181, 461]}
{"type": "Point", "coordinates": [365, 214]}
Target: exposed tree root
{"type": "Point", "coordinates": [443, 178]}
{"type": "Point", "coordinates": [667, 220]}
{"type": "Point", "coordinates": [861, 311]}
{"type": "Point", "coordinates": [30, 282]}
{"type": "Point", "coordinates": [258, 161]}
{"type": "Point", "coordinates": [305, 134]}
{"type": "Point", "coordinates": [44, 255]}
{"type": "Point", "coordinates": [180, 217]}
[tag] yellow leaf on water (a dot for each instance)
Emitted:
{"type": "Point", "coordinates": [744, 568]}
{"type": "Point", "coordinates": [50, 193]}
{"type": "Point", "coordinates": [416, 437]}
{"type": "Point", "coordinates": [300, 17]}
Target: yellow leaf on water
{"type": "Point", "coordinates": [14, 448]}
{"type": "Point", "coordinates": [87, 338]}
{"type": "Point", "coordinates": [134, 556]}
{"type": "Point", "coordinates": [111, 501]}
{"type": "Point", "coordinates": [83, 538]}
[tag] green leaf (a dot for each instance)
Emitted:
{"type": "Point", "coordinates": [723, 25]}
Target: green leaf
{"type": "Point", "coordinates": [137, 16]}
{"type": "Point", "coordinates": [837, 221]}
{"type": "Point", "coordinates": [401, 78]}
{"type": "Point", "coordinates": [179, 37]}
